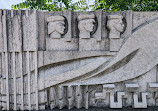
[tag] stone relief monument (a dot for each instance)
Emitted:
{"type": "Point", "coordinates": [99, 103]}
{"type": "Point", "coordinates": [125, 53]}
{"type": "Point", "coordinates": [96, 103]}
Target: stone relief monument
{"type": "Point", "coordinates": [85, 25]}
{"type": "Point", "coordinates": [115, 25]}
{"type": "Point", "coordinates": [78, 59]}
{"type": "Point", "coordinates": [56, 26]}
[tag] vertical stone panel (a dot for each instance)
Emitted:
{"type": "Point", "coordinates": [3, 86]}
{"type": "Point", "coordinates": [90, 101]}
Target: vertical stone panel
{"type": "Point", "coordinates": [1, 79]}
{"type": "Point", "coordinates": [25, 92]}
{"type": "Point", "coordinates": [14, 81]}
{"type": "Point", "coordinates": [36, 78]}
{"type": "Point", "coordinates": [129, 24]}
{"type": "Point", "coordinates": [1, 33]}
{"type": "Point", "coordinates": [30, 31]}
{"type": "Point", "coordinates": [97, 35]}
{"type": "Point", "coordinates": [40, 58]}
{"type": "Point", "coordinates": [28, 79]}
{"type": "Point", "coordinates": [17, 39]}
{"type": "Point", "coordinates": [52, 97]}
{"type": "Point", "coordinates": [41, 31]}
{"type": "Point", "coordinates": [68, 15]}
{"type": "Point", "coordinates": [85, 97]}
{"type": "Point", "coordinates": [104, 31]}
{"type": "Point", "coordinates": [4, 22]}
{"type": "Point", "coordinates": [42, 94]}
{"type": "Point", "coordinates": [22, 81]}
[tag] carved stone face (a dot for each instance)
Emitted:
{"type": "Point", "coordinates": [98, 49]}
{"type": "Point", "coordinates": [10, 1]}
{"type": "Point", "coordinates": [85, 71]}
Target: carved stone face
{"type": "Point", "coordinates": [85, 25]}
{"type": "Point", "coordinates": [89, 26]}
{"type": "Point", "coordinates": [60, 27]}
{"type": "Point", "coordinates": [116, 24]}
{"type": "Point", "coordinates": [119, 25]}
{"type": "Point", "coordinates": [56, 26]}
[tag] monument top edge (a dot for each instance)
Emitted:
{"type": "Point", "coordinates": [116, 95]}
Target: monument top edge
{"type": "Point", "coordinates": [80, 11]}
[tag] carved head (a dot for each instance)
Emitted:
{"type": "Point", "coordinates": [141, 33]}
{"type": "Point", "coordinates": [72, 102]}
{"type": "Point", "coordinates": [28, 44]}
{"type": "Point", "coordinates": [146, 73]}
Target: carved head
{"type": "Point", "coordinates": [115, 23]}
{"type": "Point", "coordinates": [56, 26]}
{"type": "Point", "coordinates": [86, 24]}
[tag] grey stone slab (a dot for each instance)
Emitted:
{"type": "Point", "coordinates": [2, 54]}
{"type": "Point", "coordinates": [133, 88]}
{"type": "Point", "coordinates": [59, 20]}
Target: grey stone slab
{"type": "Point", "coordinates": [30, 32]}
{"type": "Point", "coordinates": [68, 15]}
{"type": "Point", "coordinates": [61, 44]}
{"type": "Point", "coordinates": [51, 57]}
{"type": "Point", "coordinates": [141, 17]}
{"type": "Point", "coordinates": [128, 20]}
{"type": "Point", "coordinates": [40, 58]}
{"type": "Point", "coordinates": [1, 32]}
{"type": "Point", "coordinates": [4, 24]}
{"type": "Point", "coordinates": [97, 35]}
{"type": "Point", "coordinates": [93, 45]}
{"type": "Point", "coordinates": [16, 35]}
{"type": "Point", "coordinates": [115, 44]}
{"type": "Point", "coordinates": [104, 28]}
{"type": "Point", "coordinates": [75, 31]}
{"type": "Point", "coordinates": [41, 31]}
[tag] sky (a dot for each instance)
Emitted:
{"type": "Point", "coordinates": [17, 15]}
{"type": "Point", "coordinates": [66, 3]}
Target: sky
{"type": "Point", "coordinates": [6, 4]}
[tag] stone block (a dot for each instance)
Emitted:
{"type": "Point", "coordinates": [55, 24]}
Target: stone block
{"type": "Point", "coordinates": [93, 45]}
{"type": "Point", "coordinates": [115, 44]}
{"type": "Point", "coordinates": [41, 31]}
{"type": "Point", "coordinates": [97, 35]}
{"type": "Point", "coordinates": [68, 14]}
{"type": "Point", "coordinates": [140, 18]}
{"type": "Point", "coordinates": [142, 104]}
{"type": "Point", "coordinates": [61, 44]}
{"type": "Point", "coordinates": [15, 40]}
{"type": "Point", "coordinates": [1, 33]}
{"type": "Point", "coordinates": [153, 87]}
{"type": "Point", "coordinates": [128, 20]}
{"type": "Point", "coordinates": [131, 87]}
{"type": "Point", "coordinates": [30, 32]}
{"type": "Point", "coordinates": [109, 86]}
{"type": "Point", "coordinates": [117, 104]}
{"type": "Point", "coordinates": [4, 30]}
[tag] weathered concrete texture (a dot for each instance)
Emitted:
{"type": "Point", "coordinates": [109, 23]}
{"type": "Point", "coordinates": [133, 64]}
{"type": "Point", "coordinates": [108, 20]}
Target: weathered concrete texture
{"type": "Point", "coordinates": [58, 59]}
{"type": "Point", "coordinates": [93, 44]}
{"type": "Point", "coordinates": [61, 44]}
{"type": "Point", "coordinates": [15, 33]}
{"type": "Point", "coordinates": [30, 31]}
{"type": "Point", "coordinates": [140, 18]}
{"type": "Point", "coordinates": [105, 109]}
{"type": "Point", "coordinates": [115, 44]}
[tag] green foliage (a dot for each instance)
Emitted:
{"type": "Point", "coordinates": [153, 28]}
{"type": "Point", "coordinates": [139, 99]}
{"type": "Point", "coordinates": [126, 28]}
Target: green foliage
{"type": "Point", "coordinates": [121, 5]}
{"type": "Point", "coordinates": [82, 5]}
{"type": "Point", "coordinates": [52, 5]}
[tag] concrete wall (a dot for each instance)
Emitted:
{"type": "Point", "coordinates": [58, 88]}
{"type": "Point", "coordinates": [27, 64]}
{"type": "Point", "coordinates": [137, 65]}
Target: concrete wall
{"type": "Point", "coordinates": [78, 59]}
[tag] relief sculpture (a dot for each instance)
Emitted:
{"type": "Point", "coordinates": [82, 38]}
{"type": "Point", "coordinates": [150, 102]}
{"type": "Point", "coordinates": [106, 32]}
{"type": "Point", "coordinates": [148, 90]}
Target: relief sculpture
{"type": "Point", "coordinates": [52, 71]}
{"type": "Point", "coordinates": [85, 25]}
{"type": "Point", "coordinates": [115, 25]}
{"type": "Point", "coordinates": [56, 26]}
